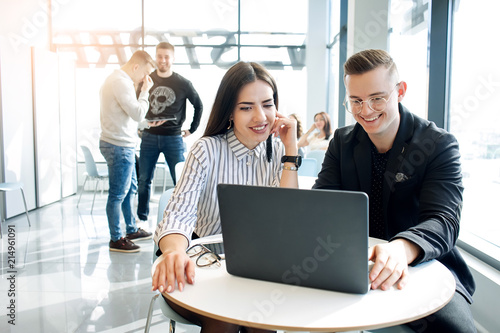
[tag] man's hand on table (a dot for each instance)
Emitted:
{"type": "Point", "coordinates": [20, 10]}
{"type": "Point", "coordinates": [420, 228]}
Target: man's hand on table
{"type": "Point", "coordinates": [391, 263]}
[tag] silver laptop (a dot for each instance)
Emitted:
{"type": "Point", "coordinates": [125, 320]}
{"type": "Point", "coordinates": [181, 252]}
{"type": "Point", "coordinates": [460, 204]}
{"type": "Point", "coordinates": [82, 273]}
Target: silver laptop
{"type": "Point", "coordinates": [311, 238]}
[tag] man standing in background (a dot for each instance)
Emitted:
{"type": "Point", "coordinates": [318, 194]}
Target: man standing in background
{"type": "Point", "coordinates": [167, 101]}
{"type": "Point", "coordinates": [121, 111]}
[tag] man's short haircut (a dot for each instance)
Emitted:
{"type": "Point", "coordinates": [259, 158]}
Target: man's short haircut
{"type": "Point", "coordinates": [368, 60]}
{"type": "Point", "coordinates": [142, 58]}
{"type": "Point", "coordinates": [165, 45]}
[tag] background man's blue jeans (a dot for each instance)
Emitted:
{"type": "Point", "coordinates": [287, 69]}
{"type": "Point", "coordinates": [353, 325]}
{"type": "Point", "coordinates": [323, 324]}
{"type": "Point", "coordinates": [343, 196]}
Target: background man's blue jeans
{"type": "Point", "coordinates": [122, 187]}
{"type": "Point", "coordinates": [172, 147]}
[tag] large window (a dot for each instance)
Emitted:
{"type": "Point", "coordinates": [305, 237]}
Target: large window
{"type": "Point", "coordinates": [335, 84]}
{"type": "Point", "coordinates": [408, 45]}
{"type": "Point", "coordinates": [209, 36]}
{"type": "Point", "coordinates": [474, 119]}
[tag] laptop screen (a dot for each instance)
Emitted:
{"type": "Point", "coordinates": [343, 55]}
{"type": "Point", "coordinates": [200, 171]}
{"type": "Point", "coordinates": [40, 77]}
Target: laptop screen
{"type": "Point", "coordinates": [311, 238]}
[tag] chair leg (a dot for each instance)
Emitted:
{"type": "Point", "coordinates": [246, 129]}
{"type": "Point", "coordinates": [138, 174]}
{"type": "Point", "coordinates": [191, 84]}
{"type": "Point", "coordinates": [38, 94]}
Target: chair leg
{"type": "Point", "coordinates": [95, 191]}
{"type": "Point", "coordinates": [102, 185]}
{"type": "Point", "coordinates": [171, 327]}
{"type": "Point", "coordinates": [83, 189]}
{"type": "Point", "coordinates": [26, 207]}
{"type": "Point", "coordinates": [164, 179]}
{"type": "Point", "coordinates": [153, 182]}
{"type": "Point", "coordinates": [150, 313]}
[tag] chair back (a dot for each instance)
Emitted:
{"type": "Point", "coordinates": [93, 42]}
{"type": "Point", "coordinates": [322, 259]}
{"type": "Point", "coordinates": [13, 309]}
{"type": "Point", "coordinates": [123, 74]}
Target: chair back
{"type": "Point", "coordinates": [178, 170]}
{"type": "Point", "coordinates": [161, 208]}
{"type": "Point", "coordinates": [163, 203]}
{"type": "Point", "coordinates": [308, 167]}
{"type": "Point", "coordinates": [319, 156]}
{"type": "Point", "coordinates": [90, 165]}
{"type": "Point", "coordinates": [4, 187]}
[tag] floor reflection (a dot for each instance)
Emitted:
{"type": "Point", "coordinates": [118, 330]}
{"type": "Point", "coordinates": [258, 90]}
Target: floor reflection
{"type": "Point", "coordinates": [66, 280]}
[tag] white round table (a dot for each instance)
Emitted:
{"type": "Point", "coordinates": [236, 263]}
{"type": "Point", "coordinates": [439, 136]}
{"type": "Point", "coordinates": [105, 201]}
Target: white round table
{"type": "Point", "coordinates": [276, 306]}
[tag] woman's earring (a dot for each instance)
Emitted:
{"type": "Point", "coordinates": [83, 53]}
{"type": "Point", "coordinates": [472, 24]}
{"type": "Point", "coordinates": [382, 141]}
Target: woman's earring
{"type": "Point", "coordinates": [230, 124]}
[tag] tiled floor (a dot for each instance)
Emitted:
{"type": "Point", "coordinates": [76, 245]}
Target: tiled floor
{"type": "Point", "coordinates": [65, 278]}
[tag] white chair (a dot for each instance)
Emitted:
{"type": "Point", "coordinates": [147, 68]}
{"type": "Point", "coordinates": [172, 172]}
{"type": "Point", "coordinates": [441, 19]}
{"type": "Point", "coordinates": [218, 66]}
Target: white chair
{"type": "Point", "coordinates": [160, 166]}
{"type": "Point", "coordinates": [167, 312]}
{"type": "Point", "coordinates": [308, 167]}
{"type": "Point", "coordinates": [163, 203]}
{"type": "Point", "coordinates": [7, 187]}
{"type": "Point", "coordinates": [93, 173]}
{"type": "Point", "coordinates": [178, 170]}
{"type": "Point", "coordinates": [164, 307]}
{"type": "Point", "coordinates": [319, 156]}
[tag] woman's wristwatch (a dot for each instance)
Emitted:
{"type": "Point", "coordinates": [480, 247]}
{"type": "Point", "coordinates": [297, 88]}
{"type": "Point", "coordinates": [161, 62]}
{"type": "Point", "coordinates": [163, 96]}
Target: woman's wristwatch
{"type": "Point", "coordinates": [297, 160]}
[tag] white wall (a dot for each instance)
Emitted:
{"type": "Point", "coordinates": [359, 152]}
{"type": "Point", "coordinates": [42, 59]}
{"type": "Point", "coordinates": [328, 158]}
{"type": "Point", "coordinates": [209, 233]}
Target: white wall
{"type": "Point", "coordinates": [36, 148]}
{"type": "Point", "coordinates": [16, 134]}
{"type": "Point", "coordinates": [47, 126]}
{"type": "Point", "coordinates": [67, 117]}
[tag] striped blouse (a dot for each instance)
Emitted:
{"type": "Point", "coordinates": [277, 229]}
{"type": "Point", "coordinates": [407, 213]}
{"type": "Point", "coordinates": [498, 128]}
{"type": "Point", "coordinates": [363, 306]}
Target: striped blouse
{"type": "Point", "coordinates": [220, 159]}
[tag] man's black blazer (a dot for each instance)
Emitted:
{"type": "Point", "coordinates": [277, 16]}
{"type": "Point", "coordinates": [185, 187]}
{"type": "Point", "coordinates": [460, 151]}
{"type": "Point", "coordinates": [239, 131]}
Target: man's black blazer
{"type": "Point", "coordinates": [422, 189]}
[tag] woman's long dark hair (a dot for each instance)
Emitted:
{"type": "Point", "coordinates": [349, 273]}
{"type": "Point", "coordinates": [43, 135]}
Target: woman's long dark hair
{"type": "Point", "coordinates": [233, 81]}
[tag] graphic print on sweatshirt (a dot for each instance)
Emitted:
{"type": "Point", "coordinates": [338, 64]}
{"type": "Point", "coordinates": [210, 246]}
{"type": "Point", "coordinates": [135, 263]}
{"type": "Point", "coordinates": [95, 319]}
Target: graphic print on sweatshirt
{"type": "Point", "coordinates": [161, 98]}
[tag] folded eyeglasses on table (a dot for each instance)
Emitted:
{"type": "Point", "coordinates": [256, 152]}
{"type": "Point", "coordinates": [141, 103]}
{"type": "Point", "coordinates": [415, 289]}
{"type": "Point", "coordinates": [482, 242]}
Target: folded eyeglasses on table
{"type": "Point", "coordinates": [205, 256]}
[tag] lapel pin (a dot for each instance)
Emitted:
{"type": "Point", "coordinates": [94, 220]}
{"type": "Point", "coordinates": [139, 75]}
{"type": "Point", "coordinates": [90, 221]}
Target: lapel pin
{"type": "Point", "coordinates": [401, 177]}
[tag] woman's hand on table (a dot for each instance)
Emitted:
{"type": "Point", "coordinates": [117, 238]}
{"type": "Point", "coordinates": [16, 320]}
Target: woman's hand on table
{"type": "Point", "coordinates": [176, 266]}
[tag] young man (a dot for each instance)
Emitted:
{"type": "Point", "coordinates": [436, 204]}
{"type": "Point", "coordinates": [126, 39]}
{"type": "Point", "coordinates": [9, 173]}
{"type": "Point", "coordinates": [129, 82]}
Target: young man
{"type": "Point", "coordinates": [121, 111]}
{"type": "Point", "coordinates": [167, 100]}
{"type": "Point", "coordinates": [410, 170]}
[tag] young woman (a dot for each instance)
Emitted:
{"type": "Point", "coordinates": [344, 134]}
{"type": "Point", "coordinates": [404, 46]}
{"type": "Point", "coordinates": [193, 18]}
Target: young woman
{"type": "Point", "coordinates": [318, 136]}
{"type": "Point", "coordinates": [238, 147]}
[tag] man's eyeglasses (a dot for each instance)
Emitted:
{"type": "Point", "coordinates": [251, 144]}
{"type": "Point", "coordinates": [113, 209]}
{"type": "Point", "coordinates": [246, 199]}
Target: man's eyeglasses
{"type": "Point", "coordinates": [205, 256]}
{"type": "Point", "coordinates": [377, 104]}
